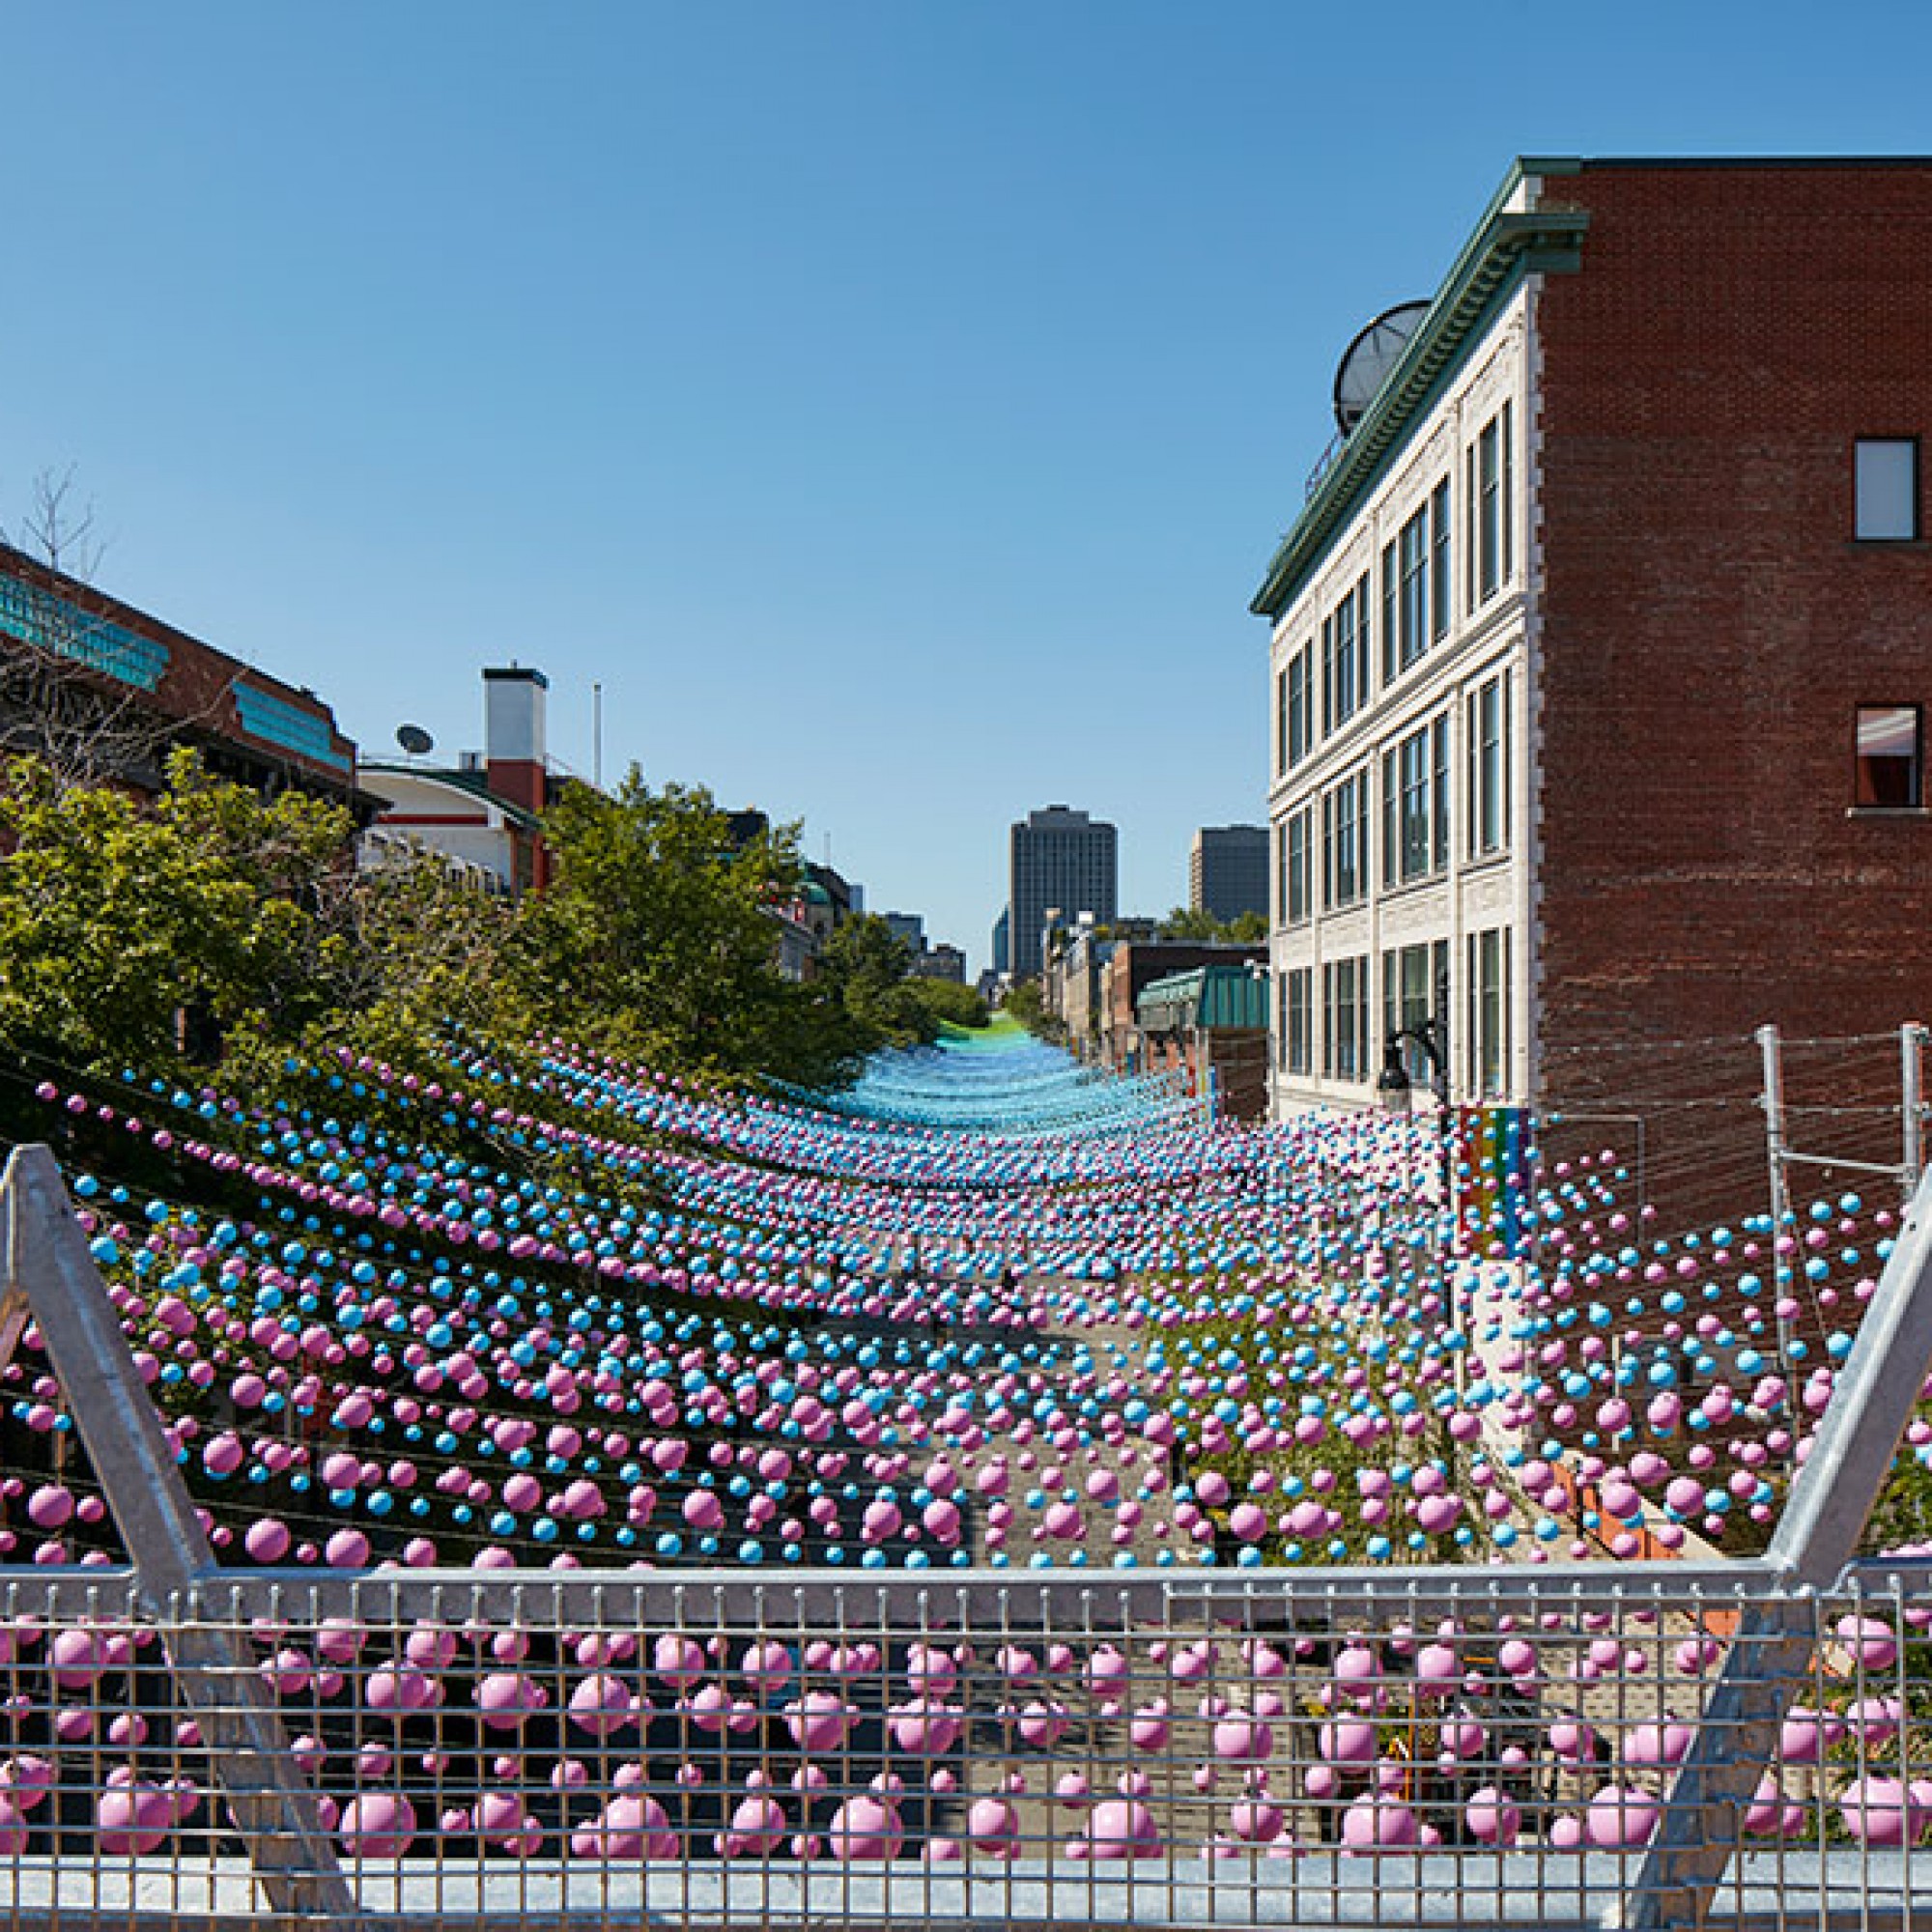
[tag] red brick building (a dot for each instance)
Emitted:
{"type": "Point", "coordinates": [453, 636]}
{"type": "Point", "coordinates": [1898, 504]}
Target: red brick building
{"type": "Point", "coordinates": [1601, 647]}
{"type": "Point", "coordinates": [82, 671]}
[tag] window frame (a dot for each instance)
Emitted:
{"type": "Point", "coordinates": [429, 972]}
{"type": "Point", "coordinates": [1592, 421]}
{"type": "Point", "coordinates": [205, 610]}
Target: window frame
{"type": "Point", "coordinates": [1865, 491]}
{"type": "Point", "coordinates": [1493, 565]}
{"type": "Point", "coordinates": [1412, 596]}
{"type": "Point", "coordinates": [1441, 596]}
{"type": "Point", "coordinates": [1415, 805]}
{"type": "Point", "coordinates": [1297, 867]}
{"type": "Point", "coordinates": [1344, 1017]}
{"type": "Point", "coordinates": [1490, 996]}
{"type": "Point", "coordinates": [1344, 838]}
{"type": "Point", "coordinates": [1298, 1012]}
{"type": "Point", "coordinates": [1299, 698]}
{"type": "Point", "coordinates": [1915, 766]}
{"type": "Point", "coordinates": [1489, 806]}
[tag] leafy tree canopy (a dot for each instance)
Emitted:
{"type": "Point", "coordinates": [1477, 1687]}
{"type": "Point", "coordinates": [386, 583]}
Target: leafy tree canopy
{"type": "Point", "coordinates": [126, 930]}
{"type": "Point", "coordinates": [1193, 922]}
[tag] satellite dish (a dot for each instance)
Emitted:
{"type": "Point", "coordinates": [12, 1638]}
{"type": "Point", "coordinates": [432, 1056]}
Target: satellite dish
{"type": "Point", "coordinates": [414, 740]}
{"type": "Point", "coordinates": [1367, 360]}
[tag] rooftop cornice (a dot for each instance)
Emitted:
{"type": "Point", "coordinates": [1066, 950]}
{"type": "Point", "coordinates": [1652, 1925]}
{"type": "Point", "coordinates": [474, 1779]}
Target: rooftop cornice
{"type": "Point", "coordinates": [1507, 244]}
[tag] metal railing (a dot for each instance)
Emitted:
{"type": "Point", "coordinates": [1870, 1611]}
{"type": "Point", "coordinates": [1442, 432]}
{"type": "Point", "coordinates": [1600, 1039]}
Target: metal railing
{"type": "Point", "coordinates": [1642, 1744]}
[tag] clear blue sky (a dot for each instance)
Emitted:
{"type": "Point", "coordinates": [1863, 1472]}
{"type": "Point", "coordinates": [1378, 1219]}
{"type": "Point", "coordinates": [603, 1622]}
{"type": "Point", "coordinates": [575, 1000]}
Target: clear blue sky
{"type": "Point", "coordinates": [893, 404]}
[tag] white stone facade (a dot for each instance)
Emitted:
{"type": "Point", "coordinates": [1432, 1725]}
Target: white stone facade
{"type": "Point", "coordinates": [1437, 733]}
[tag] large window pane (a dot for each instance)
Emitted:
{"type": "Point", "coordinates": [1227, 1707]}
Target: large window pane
{"type": "Point", "coordinates": [1887, 474]}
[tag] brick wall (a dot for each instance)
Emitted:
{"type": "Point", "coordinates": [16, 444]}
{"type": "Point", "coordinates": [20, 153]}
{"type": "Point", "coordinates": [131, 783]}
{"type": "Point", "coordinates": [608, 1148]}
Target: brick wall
{"type": "Point", "coordinates": [1708, 624]}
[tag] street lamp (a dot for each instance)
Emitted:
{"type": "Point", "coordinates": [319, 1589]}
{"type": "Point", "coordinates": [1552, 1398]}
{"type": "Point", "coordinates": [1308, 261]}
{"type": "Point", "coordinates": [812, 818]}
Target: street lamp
{"type": "Point", "coordinates": [1394, 1090]}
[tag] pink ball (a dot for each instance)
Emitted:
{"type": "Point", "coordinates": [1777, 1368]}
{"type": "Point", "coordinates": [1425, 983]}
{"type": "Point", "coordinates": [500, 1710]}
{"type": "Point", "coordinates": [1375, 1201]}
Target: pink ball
{"type": "Point", "coordinates": [50, 1507]}
{"type": "Point", "coordinates": [1620, 1819]}
{"type": "Point", "coordinates": [1119, 1828]}
{"type": "Point", "coordinates": [268, 1540]}
{"type": "Point", "coordinates": [758, 1826]}
{"type": "Point", "coordinates": [925, 1729]}
{"type": "Point", "coordinates": [1871, 1641]}
{"type": "Point", "coordinates": [819, 1721]}
{"type": "Point", "coordinates": [632, 1826]}
{"type": "Point", "coordinates": [1375, 1822]}
{"type": "Point", "coordinates": [993, 1826]}
{"type": "Point", "coordinates": [1494, 1818]}
{"type": "Point", "coordinates": [347, 1549]}
{"type": "Point", "coordinates": [132, 1818]}
{"type": "Point", "coordinates": [1241, 1739]}
{"type": "Point", "coordinates": [506, 1699]}
{"type": "Point", "coordinates": [1879, 1810]}
{"type": "Point", "coordinates": [1249, 1521]}
{"type": "Point", "coordinates": [1256, 1821]}
{"type": "Point", "coordinates": [867, 1826]}
{"type": "Point", "coordinates": [601, 1705]}
{"type": "Point", "coordinates": [377, 1824]}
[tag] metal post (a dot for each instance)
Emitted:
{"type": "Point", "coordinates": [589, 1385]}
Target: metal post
{"type": "Point", "coordinates": [1825, 1514]}
{"type": "Point", "coordinates": [51, 1274]}
{"type": "Point", "coordinates": [1782, 1273]}
{"type": "Point", "coordinates": [1910, 1075]}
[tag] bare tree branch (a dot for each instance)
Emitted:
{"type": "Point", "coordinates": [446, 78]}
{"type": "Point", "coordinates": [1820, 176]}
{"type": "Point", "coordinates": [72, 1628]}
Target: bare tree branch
{"type": "Point", "coordinates": [74, 684]}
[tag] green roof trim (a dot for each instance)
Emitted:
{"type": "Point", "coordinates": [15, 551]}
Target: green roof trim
{"type": "Point", "coordinates": [1506, 246]}
{"type": "Point", "coordinates": [1208, 997]}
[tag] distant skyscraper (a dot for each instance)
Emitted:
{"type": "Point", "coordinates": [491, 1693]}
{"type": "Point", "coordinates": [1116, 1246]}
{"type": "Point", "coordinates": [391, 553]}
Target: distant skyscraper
{"type": "Point", "coordinates": [1228, 870]}
{"type": "Point", "coordinates": [1003, 941]}
{"type": "Point", "coordinates": [908, 927]}
{"type": "Point", "coordinates": [1061, 859]}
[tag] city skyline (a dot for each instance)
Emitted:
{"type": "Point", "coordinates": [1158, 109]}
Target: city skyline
{"type": "Point", "coordinates": [889, 410]}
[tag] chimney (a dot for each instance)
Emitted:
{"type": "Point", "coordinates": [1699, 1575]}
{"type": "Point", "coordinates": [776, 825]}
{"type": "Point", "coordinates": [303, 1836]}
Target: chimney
{"type": "Point", "coordinates": [516, 760]}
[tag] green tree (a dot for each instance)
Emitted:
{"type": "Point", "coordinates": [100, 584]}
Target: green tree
{"type": "Point", "coordinates": [142, 934]}
{"type": "Point", "coordinates": [421, 952]}
{"type": "Point", "coordinates": [950, 1002]}
{"type": "Point", "coordinates": [869, 968]}
{"type": "Point", "coordinates": [1250, 929]}
{"type": "Point", "coordinates": [1026, 1003]}
{"type": "Point", "coordinates": [657, 937]}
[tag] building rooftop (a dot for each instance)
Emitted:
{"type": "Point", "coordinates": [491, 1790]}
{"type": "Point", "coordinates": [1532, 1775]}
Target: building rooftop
{"type": "Point", "coordinates": [1221, 997]}
{"type": "Point", "coordinates": [1509, 244]}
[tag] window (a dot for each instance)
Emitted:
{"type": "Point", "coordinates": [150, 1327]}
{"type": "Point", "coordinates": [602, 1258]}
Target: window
{"type": "Point", "coordinates": [1297, 989]}
{"type": "Point", "coordinates": [1885, 471]}
{"type": "Point", "coordinates": [1494, 537]}
{"type": "Point", "coordinates": [1439, 804]}
{"type": "Point", "coordinates": [1391, 608]}
{"type": "Point", "coordinates": [1345, 1019]}
{"type": "Point", "coordinates": [1412, 975]}
{"type": "Point", "coordinates": [1888, 770]}
{"type": "Point", "coordinates": [1345, 826]}
{"type": "Point", "coordinates": [1364, 666]}
{"type": "Point", "coordinates": [1487, 736]}
{"type": "Point", "coordinates": [1439, 605]}
{"type": "Point", "coordinates": [1488, 1024]}
{"type": "Point", "coordinates": [1415, 805]}
{"type": "Point", "coordinates": [1281, 758]}
{"type": "Point", "coordinates": [1297, 842]}
{"type": "Point", "coordinates": [1299, 728]}
{"type": "Point", "coordinates": [49, 623]}
{"type": "Point", "coordinates": [1413, 610]}
{"type": "Point", "coordinates": [1344, 659]}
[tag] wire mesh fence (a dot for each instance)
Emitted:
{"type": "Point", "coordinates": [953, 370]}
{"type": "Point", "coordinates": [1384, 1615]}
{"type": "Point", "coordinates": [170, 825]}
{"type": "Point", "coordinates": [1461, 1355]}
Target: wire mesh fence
{"type": "Point", "coordinates": [1434, 1750]}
